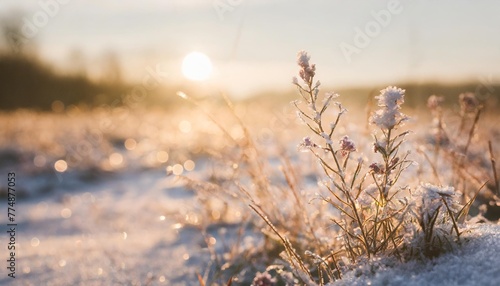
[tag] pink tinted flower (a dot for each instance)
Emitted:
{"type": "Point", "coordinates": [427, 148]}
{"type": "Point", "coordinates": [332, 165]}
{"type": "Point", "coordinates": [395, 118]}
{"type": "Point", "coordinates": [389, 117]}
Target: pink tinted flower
{"type": "Point", "coordinates": [307, 144]}
{"type": "Point", "coordinates": [347, 145]}
{"type": "Point", "coordinates": [307, 71]}
{"type": "Point", "coordinates": [377, 168]}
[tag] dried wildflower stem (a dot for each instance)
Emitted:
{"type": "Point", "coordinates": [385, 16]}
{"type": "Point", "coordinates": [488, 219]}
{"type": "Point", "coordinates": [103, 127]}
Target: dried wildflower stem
{"type": "Point", "coordinates": [461, 160]}
{"type": "Point", "coordinates": [462, 214]}
{"type": "Point", "coordinates": [471, 131]}
{"type": "Point", "coordinates": [335, 264]}
{"type": "Point", "coordinates": [493, 167]}
{"type": "Point", "coordinates": [292, 254]}
{"type": "Point", "coordinates": [450, 213]}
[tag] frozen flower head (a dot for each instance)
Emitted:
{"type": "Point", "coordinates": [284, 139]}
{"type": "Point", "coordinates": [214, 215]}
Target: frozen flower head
{"type": "Point", "coordinates": [307, 144]}
{"type": "Point", "coordinates": [391, 97]}
{"type": "Point", "coordinates": [307, 71]}
{"type": "Point", "coordinates": [303, 59]}
{"type": "Point", "coordinates": [263, 279]}
{"type": "Point", "coordinates": [377, 168]}
{"type": "Point", "coordinates": [468, 102]}
{"type": "Point", "coordinates": [389, 115]}
{"type": "Point", "coordinates": [434, 102]}
{"type": "Point", "coordinates": [346, 145]}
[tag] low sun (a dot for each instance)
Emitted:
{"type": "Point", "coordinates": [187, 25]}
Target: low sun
{"type": "Point", "coordinates": [196, 66]}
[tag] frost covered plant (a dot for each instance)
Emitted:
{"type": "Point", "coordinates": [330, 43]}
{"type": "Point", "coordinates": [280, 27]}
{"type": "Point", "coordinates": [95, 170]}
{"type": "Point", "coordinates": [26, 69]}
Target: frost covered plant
{"type": "Point", "coordinates": [434, 212]}
{"type": "Point", "coordinates": [371, 218]}
{"type": "Point", "coordinates": [452, 143]}
{"type": "Point", "coordinates": [264, 279]}
{"type": "Point", "coordinates": [389, 116]}
{"type": "Point", "coordinates": [371, 207]}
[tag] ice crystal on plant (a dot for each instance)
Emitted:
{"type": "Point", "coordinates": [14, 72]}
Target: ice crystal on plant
{"type": "Point", "coordinates": [433, 196]}
{"type": "Point", "coordinates": [327, 138]}
{"type": "Point", "coordinates": [264, 279]}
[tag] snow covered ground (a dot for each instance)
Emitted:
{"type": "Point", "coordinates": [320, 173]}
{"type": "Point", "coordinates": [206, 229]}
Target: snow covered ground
{"type": "Point", "coordinates": [126, 231]}
{"type": "Point", "coordinates": [476, 263]}
{"type": "Point", "coordinates": [121, 231]}
{"type": "Point", "coordinates": [117, 217]}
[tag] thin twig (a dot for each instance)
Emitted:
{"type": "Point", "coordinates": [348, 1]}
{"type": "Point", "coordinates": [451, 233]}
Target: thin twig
{"type": "Point", "coordinates": [493, 166]}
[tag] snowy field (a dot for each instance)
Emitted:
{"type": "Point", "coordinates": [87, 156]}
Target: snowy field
{"type": "Point", "coordinates": [102, 199]}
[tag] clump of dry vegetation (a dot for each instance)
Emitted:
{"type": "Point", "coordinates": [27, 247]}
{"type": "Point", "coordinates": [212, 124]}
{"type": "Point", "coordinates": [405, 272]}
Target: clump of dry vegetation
{"type": "Point", "coordinates": [364, 199]}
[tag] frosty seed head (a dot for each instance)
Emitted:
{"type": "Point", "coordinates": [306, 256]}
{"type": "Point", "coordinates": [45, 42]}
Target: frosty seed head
{"type": "Point", "coordinates": [307, 71]}
{"type": "Point", "coordinates": [303, 59]}
{"type": "Point", "coordinates": [307, 144]}
{"type": "Point", "coordinates": [389, 116]}
{"type": "Point", "coordinates": [391, 97]}
{"type": "Point", "coordinates": [468, 102]}
{"type": "Point", "coordinates": [377, 168]}
{"type": "Point", "coordinates": [347, 145]}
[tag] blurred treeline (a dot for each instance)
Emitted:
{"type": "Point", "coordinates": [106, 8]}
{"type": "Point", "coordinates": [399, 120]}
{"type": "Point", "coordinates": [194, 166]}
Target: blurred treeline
{"type": "Point", "coordinates": [28, 81]}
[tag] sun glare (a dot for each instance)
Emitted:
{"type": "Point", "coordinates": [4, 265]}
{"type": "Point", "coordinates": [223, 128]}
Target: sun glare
{"type": "Point", "coordinates": [196, 66]}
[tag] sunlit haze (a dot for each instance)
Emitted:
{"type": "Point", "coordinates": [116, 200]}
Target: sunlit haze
{"type": "Point", "coordinates": [253, 44]}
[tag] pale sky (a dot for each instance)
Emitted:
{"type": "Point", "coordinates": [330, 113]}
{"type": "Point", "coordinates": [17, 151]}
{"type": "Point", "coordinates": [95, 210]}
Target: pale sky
{"type": "Point", "coordinates": [253, 44]}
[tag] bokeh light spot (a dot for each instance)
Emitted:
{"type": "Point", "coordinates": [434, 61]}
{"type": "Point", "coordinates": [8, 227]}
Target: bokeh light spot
{"type": "Point", "coordinates": [130, 144]}
{"type": "Point", "coordinates": [116, 159]}
{"type": "Point", "coordinates": [61, 166]}
{"type": "Point", "coordinates": [35, 242]}
{"type": "Point", "coordinates": [66, 213]}
{"type": "Point", "coordinates": [189, 165]}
